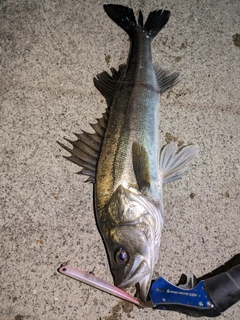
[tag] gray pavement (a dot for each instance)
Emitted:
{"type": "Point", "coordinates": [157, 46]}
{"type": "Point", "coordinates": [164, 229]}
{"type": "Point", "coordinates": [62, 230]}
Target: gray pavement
{"type": "Point", "coordinates": [50, 51]}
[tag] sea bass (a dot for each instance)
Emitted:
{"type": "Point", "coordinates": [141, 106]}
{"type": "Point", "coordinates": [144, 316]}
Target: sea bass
{"type": "Point", "coordinates": [122, 158]}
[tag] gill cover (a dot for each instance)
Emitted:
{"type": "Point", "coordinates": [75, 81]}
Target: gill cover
{"type": "Point", "coordinates": [132, 238]}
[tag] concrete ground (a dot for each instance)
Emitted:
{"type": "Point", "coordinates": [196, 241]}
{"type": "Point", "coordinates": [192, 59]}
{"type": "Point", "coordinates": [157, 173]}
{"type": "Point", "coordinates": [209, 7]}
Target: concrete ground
{"type": "Point", "coordinates": [50, 51]}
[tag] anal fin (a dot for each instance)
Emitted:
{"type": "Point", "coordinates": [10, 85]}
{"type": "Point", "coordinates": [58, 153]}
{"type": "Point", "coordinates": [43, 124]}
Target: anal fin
{"type": "Point", "coordinates": [166, 80]}
{"type": "Point", "coordinates": [174, 164]}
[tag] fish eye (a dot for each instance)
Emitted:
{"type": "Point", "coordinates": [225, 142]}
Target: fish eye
{"type": "Point", "coordinates": [121, 256]}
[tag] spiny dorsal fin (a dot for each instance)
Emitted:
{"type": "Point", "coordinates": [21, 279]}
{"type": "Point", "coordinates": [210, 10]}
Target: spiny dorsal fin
{"type": "Point", "coordinates": [174, 163]}
{"type": "Point", "coordinates": [87, 147]}
{"type": "Point", "coordinates": [165, 79]}
{"type": "Point", "coordinates": [107, 84]}
{"type": "Point", "coordinates": [141, 165]}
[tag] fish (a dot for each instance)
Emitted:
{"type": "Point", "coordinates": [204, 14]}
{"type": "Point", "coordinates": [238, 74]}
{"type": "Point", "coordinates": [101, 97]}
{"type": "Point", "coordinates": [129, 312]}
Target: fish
{"type": "Point", "coordinates": [123, 158]}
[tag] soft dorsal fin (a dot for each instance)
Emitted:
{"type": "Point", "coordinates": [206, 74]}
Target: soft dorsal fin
{"type": "Point", "coordinates": [141, 165]}
{"type": "Point", "coordinates": [87, 147]}
{"type": "Point", "coordinates": [174, 164]}
{"type": "Point", "coordinates": [107, 84]}
{"type": "Point", "coordinates": [165, 79]}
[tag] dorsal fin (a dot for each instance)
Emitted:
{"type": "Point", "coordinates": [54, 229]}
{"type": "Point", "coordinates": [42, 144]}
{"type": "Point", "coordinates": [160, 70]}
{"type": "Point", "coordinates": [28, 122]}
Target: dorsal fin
{"type": "Point", "coordinates": [87, 147]}
{"type": "Point", "coordinates": [107, 84]}
{"type": "Point", "coordinates": [165, 79]}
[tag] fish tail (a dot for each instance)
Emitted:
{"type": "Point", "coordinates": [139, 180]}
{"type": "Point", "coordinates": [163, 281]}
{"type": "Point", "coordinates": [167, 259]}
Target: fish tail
{"type": "Point", "coordinates": [124, 18]}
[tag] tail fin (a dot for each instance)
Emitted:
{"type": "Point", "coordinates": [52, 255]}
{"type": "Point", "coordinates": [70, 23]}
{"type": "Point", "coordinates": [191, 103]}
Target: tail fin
{"type": "Point", "coordinates": [156, 21]}
{"type": "Point", "coordinates": [124, 18]}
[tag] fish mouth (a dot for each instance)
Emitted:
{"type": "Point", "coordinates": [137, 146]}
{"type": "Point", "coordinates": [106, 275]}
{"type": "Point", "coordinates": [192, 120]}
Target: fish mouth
{"type": "Point", "coordinates": [140, 274]}
{"type": "Point", "coordinates": [143, 287]}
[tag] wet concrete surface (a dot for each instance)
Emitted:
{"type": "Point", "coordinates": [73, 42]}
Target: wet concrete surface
{"type": "Point", "coordinates": [50, 51]}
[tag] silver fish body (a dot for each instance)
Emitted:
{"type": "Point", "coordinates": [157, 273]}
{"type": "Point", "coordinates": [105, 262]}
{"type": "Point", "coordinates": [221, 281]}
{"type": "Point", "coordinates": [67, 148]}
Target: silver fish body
{"type": "Point", "coordinates": [122, 157]}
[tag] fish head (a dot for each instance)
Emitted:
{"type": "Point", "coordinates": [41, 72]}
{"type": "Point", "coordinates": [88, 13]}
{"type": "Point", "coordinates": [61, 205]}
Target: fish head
{"type": "Point", "coordinates": [132, 239]}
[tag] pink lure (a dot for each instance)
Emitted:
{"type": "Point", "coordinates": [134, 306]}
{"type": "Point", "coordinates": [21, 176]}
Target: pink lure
{"type": "Point", "coordinates": [102, 285]}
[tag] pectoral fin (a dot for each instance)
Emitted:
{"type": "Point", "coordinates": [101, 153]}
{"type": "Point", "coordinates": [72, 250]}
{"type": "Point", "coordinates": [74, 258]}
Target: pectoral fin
{"type": "Point", "coordinates": [174, 164]}
{"type": "Point", "coordinates": [141, 165]}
